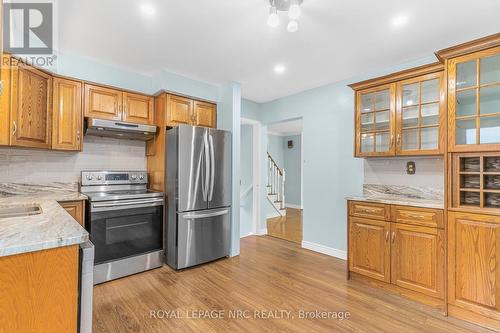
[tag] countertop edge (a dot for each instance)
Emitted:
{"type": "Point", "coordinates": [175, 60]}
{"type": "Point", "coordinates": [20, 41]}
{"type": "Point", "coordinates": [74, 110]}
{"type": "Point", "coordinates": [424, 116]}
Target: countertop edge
{"type": "Point", "coordinates": [399, 202]}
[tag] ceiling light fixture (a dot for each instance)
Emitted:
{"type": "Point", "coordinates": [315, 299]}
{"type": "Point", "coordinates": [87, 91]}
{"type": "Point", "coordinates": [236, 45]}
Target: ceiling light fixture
{"type": "Point", "coordinates": [279, 69]}
{"type": "Point", "coordinates": [148, 9]}
{"type": "Point", "coordinates": [290, 6]}
{"type": "Point", "coordinates": [399, 20]}
{"type": "Point", "coordinates": [273, 20]}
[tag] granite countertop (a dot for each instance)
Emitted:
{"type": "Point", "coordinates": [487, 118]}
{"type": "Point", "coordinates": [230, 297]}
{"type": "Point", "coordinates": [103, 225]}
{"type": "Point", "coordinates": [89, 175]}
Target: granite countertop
{"type": "Point", "coordinates": [53, 228]}
{"type": "Point", "coordinates": [400, 200]}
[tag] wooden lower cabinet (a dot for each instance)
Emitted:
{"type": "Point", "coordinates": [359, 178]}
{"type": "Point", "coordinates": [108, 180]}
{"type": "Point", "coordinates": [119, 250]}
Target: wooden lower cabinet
{"type": "Point", "coordinates": [474, 264]}
{"type": "Point", "coordinates": [39, 291]}
{"type": "Point", "coordinates": [76, 209]}
{"type": "Point", "coordinates": [417, 258]}
{"type": "Point", "coordinates": [369, 248]}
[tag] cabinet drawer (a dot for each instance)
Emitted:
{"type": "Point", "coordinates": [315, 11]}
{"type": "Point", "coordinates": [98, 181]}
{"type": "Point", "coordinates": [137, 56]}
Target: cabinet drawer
{"type": "Point", "coordinates": [417, 216]}
{"type": "Point", "coordinates": [369, 210]}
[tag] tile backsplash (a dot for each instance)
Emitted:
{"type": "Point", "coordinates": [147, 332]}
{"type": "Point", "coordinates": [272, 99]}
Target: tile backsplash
{"type": "Point", "coordinates": [392, 171]}
{"type": "Point", "coordinates": [44, 166]}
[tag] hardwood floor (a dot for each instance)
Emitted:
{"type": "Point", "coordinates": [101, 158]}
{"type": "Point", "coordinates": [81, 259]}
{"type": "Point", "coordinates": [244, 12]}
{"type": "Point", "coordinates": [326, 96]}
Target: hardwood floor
{"type": "Point", "coordinates": [287, 227]}
{"type": "Point", "coordinates": [270, 274]}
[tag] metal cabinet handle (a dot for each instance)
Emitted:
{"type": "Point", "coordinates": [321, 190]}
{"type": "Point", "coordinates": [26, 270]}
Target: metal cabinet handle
{"type": "Point", "coordinates": [398, 140]}
{"type": "Point", "coordinates": [387, 236]}
{"type": "Point", "coordinates": [15, 128]}
{"type": "Point", "coordinates": [366, 210]}
{"type": "Point", "coordinates": [393, 236]}
{"type": "Point", "coordinates": [392, 140]}
{"type": "Point", "coordinates": [78, 136]}
{"type": "Point", "coordinates": [421, 217]}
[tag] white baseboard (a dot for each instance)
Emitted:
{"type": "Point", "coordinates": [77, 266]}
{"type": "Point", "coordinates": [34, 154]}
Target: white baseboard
{"type": "Point", "coordinates": [330, 251]}
{"type": "Point", "coordinates": [262, 231]}
{"type": "Point", "coordinates": [293, 206]}
{"type": "Point", "coordinates": [249, 234]}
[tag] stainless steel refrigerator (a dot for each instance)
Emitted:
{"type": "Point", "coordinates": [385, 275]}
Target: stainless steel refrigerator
{"type": "Point", "coordinates": [198, 187]}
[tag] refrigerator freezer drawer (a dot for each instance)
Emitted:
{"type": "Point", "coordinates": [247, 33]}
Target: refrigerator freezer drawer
{"type": "Point", "coordinates": [202, 236]}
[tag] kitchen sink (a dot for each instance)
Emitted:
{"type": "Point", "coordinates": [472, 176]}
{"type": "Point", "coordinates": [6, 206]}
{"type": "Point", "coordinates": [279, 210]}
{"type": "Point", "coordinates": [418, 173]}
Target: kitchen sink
{"type": "Point", "coordinates": [19, 210]}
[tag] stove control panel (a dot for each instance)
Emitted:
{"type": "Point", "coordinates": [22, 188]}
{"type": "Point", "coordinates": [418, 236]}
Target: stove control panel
{"type": "Point", "coordinates": [113, 177]}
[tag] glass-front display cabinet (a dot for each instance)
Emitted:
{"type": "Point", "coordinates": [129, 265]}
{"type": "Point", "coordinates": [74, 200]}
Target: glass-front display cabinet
{"type": "Point", "coordinates": [375, 121]}
{"type": "Point", "coordinates": [401, 114]}
{"type": "Point", "coordinates": [420, 114]}
{"type": "Point", "coordinates": [474, 101]}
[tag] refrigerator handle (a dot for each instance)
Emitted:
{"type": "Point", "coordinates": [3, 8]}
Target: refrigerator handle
{"type": "Point", "coordinates": [212, 168]}
{"type": "Point", "coordinates": [207, 167]}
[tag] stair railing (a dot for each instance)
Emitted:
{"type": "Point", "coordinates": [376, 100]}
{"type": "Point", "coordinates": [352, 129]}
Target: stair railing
{"type": "Point", "coordinates": [276, 180]}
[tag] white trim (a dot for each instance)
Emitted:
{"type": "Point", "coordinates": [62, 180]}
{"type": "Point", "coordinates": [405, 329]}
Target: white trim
{"type": "Point", "coordinates": [249, 234]}
{"type": "Point", "coordinates": [246, 192]}
{"type": "Point", "coordinates": [302, 172]}
{"type": "Point", "coordinates": [261, 232]}
{"type": "Point", "coordinates": [289, 205]}
{"type": "Point", "coordinates": [256, 169]}
{"type": "Point", "coordinates": [284, 133]}
{"type": "Point", "coordinates": [330, 251]}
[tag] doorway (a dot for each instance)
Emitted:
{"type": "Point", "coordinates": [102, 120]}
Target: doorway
{"type": "Point", "coordinates": [285, 180]}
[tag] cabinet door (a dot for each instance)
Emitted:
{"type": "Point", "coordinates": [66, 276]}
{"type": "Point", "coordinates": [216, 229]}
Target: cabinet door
{"type": "Point", "coordinates": [31, 107]}
{"type": "Point", "coordinates": [369, 248]}
{"type": "Point", "coordinates": [474, 263]}
{"type": "Point", "coordinates": [67, 115]}
{"type": "Point", "coordinates": [138, 108]}
{"type": "Point", "coordinates": [5, 100]}
{"type": "Point", "coordinates": [375, 118]}
{"type": "Point", "coordinates": [205, 114]}
{"type": "Point", "coordinates": [474, 102]}
{"type": "Point", "coordinates": [179, 110]}
{"type": "Point", "coordinates": [417, 258]}
{"type": "Point", "coordinates": [103, 103]}
{"type": "Point", "coordinates": [76, 210]}
{"type": "Point", "coordinates": [420, 115]}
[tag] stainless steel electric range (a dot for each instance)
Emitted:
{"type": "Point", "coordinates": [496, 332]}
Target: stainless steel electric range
{"type": "Point", "coordinates": [125, 222]}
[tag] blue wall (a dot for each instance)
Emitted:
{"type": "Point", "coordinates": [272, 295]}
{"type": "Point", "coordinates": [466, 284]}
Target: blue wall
{"type": "Point", "coordinates": [276, 148]}
{"type": "Point", "coordinates": [250, 109]}
{"type": "Point", "coordinates": [293, 162]}
{"type": "Point", "coordinates": [246, 174]}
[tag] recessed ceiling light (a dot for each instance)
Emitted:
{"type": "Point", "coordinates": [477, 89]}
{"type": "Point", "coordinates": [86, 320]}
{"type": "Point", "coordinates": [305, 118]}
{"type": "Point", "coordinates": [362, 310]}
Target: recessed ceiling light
{"type": "Point", "coordinates": [279, 69]}
{"type": "Point", "coordinates": [148, 9]}
{"type": "Point", "coordinates": [399, 20]}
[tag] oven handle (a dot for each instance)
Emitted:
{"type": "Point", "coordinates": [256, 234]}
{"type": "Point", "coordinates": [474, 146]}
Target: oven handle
{"type": "Point", "coordinates": [128, 203]}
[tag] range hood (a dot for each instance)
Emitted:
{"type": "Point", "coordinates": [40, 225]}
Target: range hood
{"type": "Point", "coordinates": [119, 129]}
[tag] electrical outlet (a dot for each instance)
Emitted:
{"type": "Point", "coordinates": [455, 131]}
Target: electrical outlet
{"type": "Point", "coordinates": [411, 168]}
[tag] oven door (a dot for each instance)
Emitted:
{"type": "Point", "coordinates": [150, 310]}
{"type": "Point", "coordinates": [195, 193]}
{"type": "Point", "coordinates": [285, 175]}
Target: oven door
{"type": "Point", "coordinates": [125, 228]}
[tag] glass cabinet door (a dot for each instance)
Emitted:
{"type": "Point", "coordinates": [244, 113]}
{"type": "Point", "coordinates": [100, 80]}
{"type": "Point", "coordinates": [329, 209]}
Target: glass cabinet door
{"type": "Point", "coordinates": [474, 101]}
{"type": "Point", "coordinates": [374, 116]}
{"type": "Point", "coordinates": [419, 109]}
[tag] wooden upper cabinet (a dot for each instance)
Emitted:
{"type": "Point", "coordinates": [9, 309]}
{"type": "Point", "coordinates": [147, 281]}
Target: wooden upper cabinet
{"type": "Point", "coordinates": [31, 107]}
{"type": "Point", "coordinates": [474, 263]}
{"type": "Point", "coordinates": [138, 108]}
{"type": "Point", "coordinates": [205, 114]}
{"type": "Point", "coordinates": [420, 115]}
{"type": "Point", "coordinates": [102, 102]}
{"type": "Point", "coordinates": [375, 110]}
{"type": "Point", "coordinates": [401, 114]}
{"type": "Point", "coordinates": [474, 101]}
{"type": "Point", "coordinates": [417, 258]}
{"type": "Point", "coordinates": [369, 248]}
{"type": "Point", "coordinates": [5, 100]}
{"type": "Point", "coordinates": [67, 115]}
{"type": "Point", "coordinates": [179, 110]}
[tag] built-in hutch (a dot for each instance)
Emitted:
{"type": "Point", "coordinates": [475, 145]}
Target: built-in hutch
{"type": "Point", "coordinates": [446, 258]}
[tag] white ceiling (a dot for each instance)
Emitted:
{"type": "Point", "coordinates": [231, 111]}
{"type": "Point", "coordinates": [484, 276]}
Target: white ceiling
{"type": "Point", "coordinates": [286, 127]}
{"type": "Point", "coordinates": [218, 41]}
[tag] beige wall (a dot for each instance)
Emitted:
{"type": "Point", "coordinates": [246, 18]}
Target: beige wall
{"type": "Point", "coordinates": [43, 166]}
{"type": "Point", "coordinates": [392, 171]}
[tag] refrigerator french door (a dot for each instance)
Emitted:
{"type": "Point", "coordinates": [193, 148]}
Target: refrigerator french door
{"type": "Point", "coordinates": [198, 186]}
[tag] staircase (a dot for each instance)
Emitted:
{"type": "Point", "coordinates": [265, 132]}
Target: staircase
{"type": "Point", "coordinates": [276, 185]}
